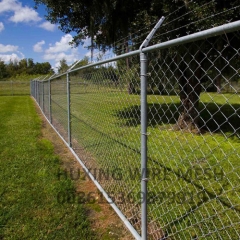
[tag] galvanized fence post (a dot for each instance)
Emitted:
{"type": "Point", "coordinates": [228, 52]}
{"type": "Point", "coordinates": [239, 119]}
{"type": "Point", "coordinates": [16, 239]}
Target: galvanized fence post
{"type": "Point", "coordinates": [12, 87]}
{"type": "Point", "coordinates": [69, 111]}
{"type": "Point", "coordinates": [143, 74]}
{"type": "Point", "coordinates": [43, 96]}
{"type": "Point", "coordinates": [38, 90]}
{"type": "Point", "coordinates": [36, 86]}
{"type": "Point", "coordinates": [143, 59]}
{"type": "Point", "coordinates": [35, 89]}
{"type": "Point", "coordinates": [49, 100]}
{"type": "Point", "coordinates": [38, 95]}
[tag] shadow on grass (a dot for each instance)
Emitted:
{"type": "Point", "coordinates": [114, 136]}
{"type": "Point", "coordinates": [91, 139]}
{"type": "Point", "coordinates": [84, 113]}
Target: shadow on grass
{"type": "Point", "coordinates": [213, 117]}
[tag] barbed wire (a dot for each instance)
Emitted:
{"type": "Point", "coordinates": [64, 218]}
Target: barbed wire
{"type": "Point", "coordinates": [152, 24]}
{"type": "Point", "coordinates": [196, 22]}
{"type": "Point", "coordinates": [133, 40]}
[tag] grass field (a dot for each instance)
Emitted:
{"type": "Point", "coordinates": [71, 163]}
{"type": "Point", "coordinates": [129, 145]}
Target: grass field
{"type": "Point", "coordinates": [200, 196]}
{"type": "Point", "coordinates": [28, 182]}
{"type": "Point", "coordinates": [14, 88]}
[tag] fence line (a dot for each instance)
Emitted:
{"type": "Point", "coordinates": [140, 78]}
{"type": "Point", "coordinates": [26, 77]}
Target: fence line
{"type": "Point", "coordinates": [193, 133]}
{"type": "Point", "coordinates": [12, 88]}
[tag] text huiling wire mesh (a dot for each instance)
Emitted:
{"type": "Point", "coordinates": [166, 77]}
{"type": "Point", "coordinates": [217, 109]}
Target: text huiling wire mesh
{"type": "Point", "coordinates": [193, 134]}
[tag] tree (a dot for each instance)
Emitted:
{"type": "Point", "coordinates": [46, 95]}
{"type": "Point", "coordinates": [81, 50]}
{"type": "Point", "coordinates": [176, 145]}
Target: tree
{"type": "Point", "coordinates": [41, 68]}
{"type": "Point", "coordinates": [111, 20]}
{"type": "Point", "coordinates": [63, 67]}
{"type": "Point", "coordinates": [46, 68]}
{"type": "Point", "coordinates": [27, 66]}
{"type": "Point", "coordinates": [3, 70]}
{"type": "Point", "coordinates": [190, 60]}
{"type": "Point", "coordinates": [30, 66]}
{"type": "Point", "coordinates": [83, 62]}
{"type": "Point", "coordinates": [104, 21]}
{"type": "Point", "coordinates": [22, 66]}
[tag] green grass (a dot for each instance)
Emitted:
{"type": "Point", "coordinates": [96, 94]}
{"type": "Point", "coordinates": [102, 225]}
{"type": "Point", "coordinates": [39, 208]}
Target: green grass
{"type": "Point", "coordinates": [106, 122]}
{"type": "Point", "coordinates": [25, 77]}
{"type": "Point", "coordinates": [28, 181]}
{"type": "Point", "coordinates": [14, 88]}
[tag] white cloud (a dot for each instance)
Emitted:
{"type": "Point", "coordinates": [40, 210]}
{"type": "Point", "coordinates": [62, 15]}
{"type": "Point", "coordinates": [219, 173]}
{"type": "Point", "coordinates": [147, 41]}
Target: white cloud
{"type": "Point", "coordinates": [8, 57]}
{"type": "Point", "coordinates": [12, 53]}
{"type": "Point", "coordinates": [25, 14]}
{"type": "Point", "coordinates": [70, 57]}
{"type": "Point", "coordinates": [88, 54]}
{"type": "Point", "coordinates": [87, 42]}
{"type": "Point", "coordinates": [61, 46]}
{"type": "Point", "coordinates": [8, 48]}
{"type": "Point", "coordinates": [21, 13]}
{"type": "Point", "coordinates": [1, 27]}
{"type": "Point", "coordinates": [100, 55]}
{"type": "Point", "coordinates": [9, 5]}
{"type": "Point", "coordinates": [48, 26]}
{"type": "Point", "coordinates": [60, 50]}
{"type": "Point", "coordinates": [22, 55]}
{"type": "Point", "coordinates": [38, 46]}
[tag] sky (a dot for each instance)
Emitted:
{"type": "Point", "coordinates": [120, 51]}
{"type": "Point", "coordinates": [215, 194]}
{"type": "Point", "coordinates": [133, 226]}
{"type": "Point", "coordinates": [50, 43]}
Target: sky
{"type": "Point", "coordinates": [24, 33]}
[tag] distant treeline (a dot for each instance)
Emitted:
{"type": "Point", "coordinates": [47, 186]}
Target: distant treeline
{"type": "Point", "coordinates": [23, 67]}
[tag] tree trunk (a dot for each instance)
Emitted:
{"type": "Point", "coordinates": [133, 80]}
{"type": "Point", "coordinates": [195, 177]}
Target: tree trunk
{"type": "Point", "coordinates": [219, 64]}
{"type": "Point", "coordinates": [190, 89]}
{"type": "Point", "coordinates": [131, 88]}
{"type": "Point", "coordinates": [218, 83]}
{"type": "Point", "coordinates": [189, 96]}
{"type": "Point", "coordinates": [126, 51]}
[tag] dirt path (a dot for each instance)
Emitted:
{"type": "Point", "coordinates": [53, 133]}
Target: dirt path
{"type": "Point", "coordinates": [105, 222]}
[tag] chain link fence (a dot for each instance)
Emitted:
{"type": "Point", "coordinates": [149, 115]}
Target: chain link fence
{"type": "Point", "coordinates": [193, 133]}
{"type": "Point", "coordinates": [13, 88]}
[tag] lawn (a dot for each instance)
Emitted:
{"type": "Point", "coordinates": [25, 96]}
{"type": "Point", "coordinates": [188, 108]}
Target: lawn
{"type": "Point", "coordinates": [29, 183]}
{"type": "Point", "coordinates": [194, 191]}
{"type": "Point", "coordinates": [14, 88]}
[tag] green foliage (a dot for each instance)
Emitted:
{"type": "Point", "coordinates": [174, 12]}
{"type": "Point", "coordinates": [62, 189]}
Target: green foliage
{"type": "Point", "coordinates": [83, 62]}
{"type": "Point", "coordinates": [100, 19]}
{"type": "Point", "coordinates": [109, 21]}
{"type": "Point", "coordinates": [63, 66]}
{"type": "Point", "coordinates": [108, 117]}
{"type": "Point", "coordinates": [29, 184]}
{"type": "Point", "coordinates": [97, 19]}
{"type": "Point", "coordinates": [24, 67]}
{"type": "Point", "coordinates": [3, 70]}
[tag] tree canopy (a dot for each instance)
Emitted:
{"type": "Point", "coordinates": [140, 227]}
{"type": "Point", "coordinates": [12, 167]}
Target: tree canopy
{"type": "Point", "coordinates": [106, 21]}
{"type": "Point", "coordinates": [63, 67]}
{"type": "Point", "coordinates": [24, 66]}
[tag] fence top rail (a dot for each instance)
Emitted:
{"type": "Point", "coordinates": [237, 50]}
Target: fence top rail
{"type": "Point", "coordinates": [226, 28]}
{"type": "Point", "coordinates": [12, 82]}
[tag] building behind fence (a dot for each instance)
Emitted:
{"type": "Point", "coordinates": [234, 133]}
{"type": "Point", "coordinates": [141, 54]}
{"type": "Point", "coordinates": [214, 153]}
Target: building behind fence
{"type": "Point", "coordinates": [193, 133]}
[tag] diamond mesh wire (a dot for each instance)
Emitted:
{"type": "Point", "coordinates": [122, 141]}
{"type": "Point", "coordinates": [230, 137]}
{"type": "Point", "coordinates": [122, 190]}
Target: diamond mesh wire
{"type": "Point", "coordinates": [194, 140]}
{"type": "Point", "coordinates": [193, 135]}
{"type": "Point", "coordinates": [102, 134]}
{"type": "Point", "coordinates": [59, 106]}
{"type": "Point", "coordinates": [13, 88]}
{"type": "Point", "coordinates": [46, 97]}
{"type": "Point", "coordinates": [41, 94]}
